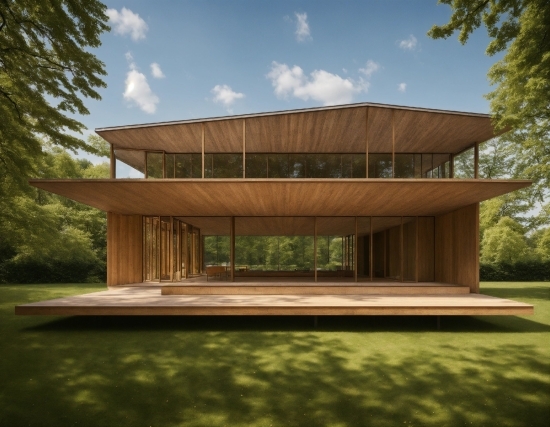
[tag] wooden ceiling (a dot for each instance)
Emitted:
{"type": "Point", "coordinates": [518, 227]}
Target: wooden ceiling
{"type": "Point", "coordinates": [345, 129]}
{"type": "Point", "coordinates": [280, 197]}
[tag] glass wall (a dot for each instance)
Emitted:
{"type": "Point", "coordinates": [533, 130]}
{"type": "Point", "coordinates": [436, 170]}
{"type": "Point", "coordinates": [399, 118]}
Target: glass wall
{"type": "Point", "coordinates": [380, 165]}
{"type": "Point", "coordinates": [130, 163]}
{"type": "Point", "coordinates": [336, 247]}
{"type": "Point", "coordinates": [464, 164]}
{"type": "Point", "coordinates": [183, 165]}
{"type": "Point", "coordinates": [296, 165]}
{"type": "Point", "coordinates": [223, 165]}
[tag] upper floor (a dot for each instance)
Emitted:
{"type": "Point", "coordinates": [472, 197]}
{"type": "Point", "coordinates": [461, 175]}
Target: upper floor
{"type": "Point", "coordinates": [350, 141]}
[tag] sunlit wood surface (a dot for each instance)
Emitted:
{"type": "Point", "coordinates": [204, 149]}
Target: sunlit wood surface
{"type": "Point", "coordinates": [279, 197]}
{"type": "Point", "coordinates": [149, 301]}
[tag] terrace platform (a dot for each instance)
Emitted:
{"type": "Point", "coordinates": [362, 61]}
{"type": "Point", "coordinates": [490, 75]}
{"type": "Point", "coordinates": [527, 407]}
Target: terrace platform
{"type": "Point", "coordinates": [148, 300]}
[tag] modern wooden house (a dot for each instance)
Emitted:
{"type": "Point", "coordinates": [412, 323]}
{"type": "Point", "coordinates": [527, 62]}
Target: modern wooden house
{"type": "Point", "coordinates": [371, 198]}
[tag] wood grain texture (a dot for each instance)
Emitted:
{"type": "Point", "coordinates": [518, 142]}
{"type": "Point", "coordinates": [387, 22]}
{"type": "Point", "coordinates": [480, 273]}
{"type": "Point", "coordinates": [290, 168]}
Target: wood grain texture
{"type": "Point", "coordinates": [173, 139]}
{"type": "Point", "coordinates": [457, 247]}
{"type": "Point", "coordinates": [224, 136]}
{"type": "Point", "coordinates": [334, 131]}
{"type": "Point", "coordinates": [124, 249]}
{"type": "Point", "coordinates": [380, 130]}
{"type": "Point", "coordinates": [136, 301]}
{"type": "Point", "coordinates": [290, 197]}
{"type": "Point", "coordinates": [426, 249]}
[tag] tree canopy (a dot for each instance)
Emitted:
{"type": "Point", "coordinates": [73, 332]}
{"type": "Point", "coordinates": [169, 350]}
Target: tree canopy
{"type": "Point", "coordinates": [522, 77]}
{"type": "Point", "coordinates": [45, 69]}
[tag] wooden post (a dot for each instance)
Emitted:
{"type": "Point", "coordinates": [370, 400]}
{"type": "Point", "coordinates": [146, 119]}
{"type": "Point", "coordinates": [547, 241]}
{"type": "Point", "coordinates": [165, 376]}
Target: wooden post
{"type": "Point", "coordinates": [171, 250]}
{"type": "Point", "coordinates": [355, 250]}
{"type": "Point", "coordinates": [476, 160]}
{"type": "Point", "coordinates": [393, 143]}
{"type": "Point", "coordinates": [202, 139]}
{"type": "Point", "coordinates": [186, 250]}
{"type": "Point", "coordinates": [244, 148]}
{"type": "Point", "coordinates": [367, 143]}
{"type": "Point", "coordinates": [315, 248]}
{"type": "Point", "coordinates": [112, 164]}
{"type": "Point", "coordinates": [401, 250]}
{"type": "Point", "coordinates": [371, 266]}
{"type": "Point", "coordinates": [416, 252]}
{"type": "Point", "coordinates": [232, 249]}
{"type": "Point", "coordinates": [452, 166]}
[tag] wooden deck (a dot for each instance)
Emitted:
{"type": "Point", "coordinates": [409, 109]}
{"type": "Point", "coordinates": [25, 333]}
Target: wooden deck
{"type": "Point", "coordinates": [278, 287]}
{"type": "Point", "coordinates": [149, 301]}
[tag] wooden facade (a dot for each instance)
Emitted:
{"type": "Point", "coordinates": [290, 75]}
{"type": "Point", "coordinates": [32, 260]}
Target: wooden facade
{"type": "Point", "coordinates": [423, 228]}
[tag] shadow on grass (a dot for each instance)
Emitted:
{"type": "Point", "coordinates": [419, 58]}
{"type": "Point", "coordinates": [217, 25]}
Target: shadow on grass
{"type": "Point", "coordinates": [411, 324]}
{"type": "Point", "coordinates": [532, 293]}
{"type": "Point", "coordinates": [228, 377]}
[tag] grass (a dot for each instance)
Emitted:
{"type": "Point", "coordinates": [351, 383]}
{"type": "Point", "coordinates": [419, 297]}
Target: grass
{"type": "Point", "coordinates": [274, 371]}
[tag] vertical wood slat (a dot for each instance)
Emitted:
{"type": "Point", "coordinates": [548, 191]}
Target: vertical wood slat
{"type": "Point", "coordinates": [367, 143]}
{"type": "Point", "coordinates": [124, 249]}
{"type": "Point", "coordinates": [452, 166]}
{"type": "Point", "coordinates": [232, 249]}
{"type": "Point", "coordinates": [112, 164]}
{"type": "Point", "coordinates": [202, 139]}
{"type": "Point", "coordinates": [315, 248]}
{"type": "Point", "coordinates": [401, 251]}
{"type": "Point", "coordinates": [244, 148]}
{"type": "Point", "coordinates": [476, 160]}
{"type": "Point", "coordinates": [355, 254]}
{"type": "Point", "coordinates": [371, 257]}
{"type": "Point", "coordinates": [416, 251]}
{"type": "Point", "coordinates": [393, 143]}
{"type": "Point", "coordinates": [186, 250]}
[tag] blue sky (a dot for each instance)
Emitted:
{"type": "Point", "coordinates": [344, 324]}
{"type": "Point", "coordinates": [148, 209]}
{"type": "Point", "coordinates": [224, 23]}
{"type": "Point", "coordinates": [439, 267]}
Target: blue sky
{"type": "Point", "coordinates": [216, 58]}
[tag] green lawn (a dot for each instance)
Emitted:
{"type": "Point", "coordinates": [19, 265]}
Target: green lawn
{"type": "Point", "coordinates": [274, 371]}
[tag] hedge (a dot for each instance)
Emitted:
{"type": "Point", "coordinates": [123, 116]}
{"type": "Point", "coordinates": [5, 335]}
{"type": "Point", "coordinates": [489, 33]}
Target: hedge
{"type": "Point", "coordinates": [52, 272]}
{"type": "Point", "coordinates": [520, 272]}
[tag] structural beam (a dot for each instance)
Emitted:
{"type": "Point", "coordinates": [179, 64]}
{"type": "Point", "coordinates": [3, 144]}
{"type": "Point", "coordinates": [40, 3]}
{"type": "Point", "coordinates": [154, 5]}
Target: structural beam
{"type": "Point", "coordinates": [112, 164]}
{"type": "Point", "coordinates": [232, 249]}
{"type": "Point", "coordinates": [315, 247]}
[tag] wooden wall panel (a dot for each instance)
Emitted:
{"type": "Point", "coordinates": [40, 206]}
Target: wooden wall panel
{"type": "Point", "coordinates": [331, 131]}
{"type": "Point", "coordinates": [393, 252]}
{"type": "Point", "coordinates": [409, 250]}
{"type": "Point", "coordinates": [124, 249]}
{"type": "Point", "coordinates": [457, 247]}
{"type": "Point", "coordinates": [223, 136]}
{"type": "Point", "coordinates": [380, 130]}
{"type": "Point", "coordinates": [426, 249]}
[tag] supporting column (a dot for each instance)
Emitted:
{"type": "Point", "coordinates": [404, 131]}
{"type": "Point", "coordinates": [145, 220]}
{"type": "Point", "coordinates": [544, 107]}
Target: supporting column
{"type": "Point", "coordinates": [355, 251]}
{"type": "Point", "coordinates": [232, 249]}
{"type": "Point", "coordinates": [112, 164]}
{"type": "Point", "coordinates": [476, 160]}
{"type": "Point", "coordinates": [416, 252]}
{"type": "Point", "coordinates": [371, 266]}
{"type": "Point", "coordinates": [186, 250]}
{"type": "Point", "coordinates": [244, 148]}
{"type": "Point", "coordinates": [202, 150]}
{"type": "Point", "coordinates": [315, 248]}
{"type": "Point", "coordinates": [367, 143]}
{"type": "Point", "coordinates": [393, 143]}
{"type": "Point", "coordinates": [452, 166]}
{"type": "Point", "coordinates": [401, 250]}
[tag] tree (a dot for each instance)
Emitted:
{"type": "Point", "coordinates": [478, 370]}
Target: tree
{"type": "Point", "coordinates": [504, 243]}
{"type": "Point", "coordinates": [45, 67]}
{"type": "Point", "coordinates": [522, 76]}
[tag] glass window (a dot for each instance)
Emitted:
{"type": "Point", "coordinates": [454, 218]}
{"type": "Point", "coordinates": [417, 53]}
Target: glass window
{"type": "Point", "coordinates": [380, 165]}
{"type": "Point", "coordinates": [359, 166]}
{"type": "Point", "coordinates": [406, 165]}
{"type": "Point", "coordinates": [297, 165]}
{"type": "Point", "coordinates": [463, 165]}
{"type": "Point", "coordinates": [256, 165]}
{"type": "Point", "coordinates": [130, 164]}
{"type": "Point", "coordinates": [154, 165]}
{"type": "Point", "coordinates": [277, 166]}
{"type": "Point", "coordinates": [169, 165]}
{"type": "Point", "coordinates": [223, 165]}
{"type": "Point", "coordinates": [427, 162]}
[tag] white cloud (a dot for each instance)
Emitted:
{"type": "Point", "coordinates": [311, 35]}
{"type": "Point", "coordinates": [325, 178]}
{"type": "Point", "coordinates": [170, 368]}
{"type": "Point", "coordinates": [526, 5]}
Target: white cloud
{"type": "Point", "coordinates": [156, 71]}
{"type": "Point", "coordinates": [302, 27]}
{"type": "Point", "coordinates": [402, 87]}
{"type": "Point", "coordinates": [370, 68]}
{"type": "Point", "coordinates": [137, 89]}
{"type": "Point", "coordinates": [328, 88]}
{"type": "Point", "coordinates": [127, 22]}
{"type": "Point", "coordinates": [223, 94]}
{"type": "Point", "coordinates": [408, 44]}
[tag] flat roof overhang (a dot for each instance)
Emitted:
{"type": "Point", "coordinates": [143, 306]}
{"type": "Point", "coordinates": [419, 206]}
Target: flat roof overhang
{"type": "Point", "coordinates": [279, 197]}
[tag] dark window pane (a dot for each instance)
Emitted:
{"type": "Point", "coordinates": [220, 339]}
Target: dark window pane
{"type": "Point", "coordinates": [223, 165]}
{"type": "Point", "coordinates": [380, 165]}
{"type": "Point", "coordinates": [182, 167]}
{"type": "Point", "coordinates": [297, 165]}
{"type": "Point", "coordinates": [359, 168]}
{"type": "Point", "coordinates": [196, 165]}
{"type": "Point", "coordinates": [256, 165]}
{"type": "Point", "coordinates": [169, 164]}
{"type": "Point", "coordinates": [418, 165]}
{"type": "Point", "coordinates": [404, 165]}
{"type": "Point", "coordinates": [154, 165]}
{"type": "Point", "coordinates": [277, 166]}
{"type": "Point", "coordinates": [427, 165]}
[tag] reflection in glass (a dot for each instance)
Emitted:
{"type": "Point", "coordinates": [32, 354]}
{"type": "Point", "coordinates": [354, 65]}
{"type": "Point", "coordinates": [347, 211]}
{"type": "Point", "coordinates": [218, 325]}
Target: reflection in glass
{"type": "Point", "coordinates": [256, 166]}
{"type": "Point", "coordinates": [154, 165]}
{"type": "Point", "coordinates": [463, 165]}
{"type": "Point", "coordinates": [380, 165]}
{"type": "Point", "coordinates": [277, 166]}
{"type": "Point", "coordinates": [223, 165]}
{"type": "Point", "coordinates": [407, 165]}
